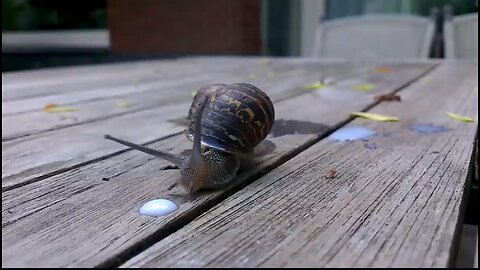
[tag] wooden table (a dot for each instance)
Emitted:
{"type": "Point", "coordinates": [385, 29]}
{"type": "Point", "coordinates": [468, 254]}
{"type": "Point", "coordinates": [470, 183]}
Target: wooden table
{"type": "Point", "coordinates": [71, 198]}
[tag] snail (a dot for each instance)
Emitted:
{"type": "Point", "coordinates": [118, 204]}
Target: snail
{"type": "Point", "coordinates": [226, 122]}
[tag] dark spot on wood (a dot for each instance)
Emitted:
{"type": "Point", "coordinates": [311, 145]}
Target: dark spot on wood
{"type": "Point", "coordinates": [181, 121]}
{"type": "Point", "coordinates": [331, 174]}
{"type": "Point", "coordinates": [388, 97]}
{"type": "Point", "coordinates": [283, 127]}
{"type": "Point", "coordinates": [169, 167]}
{"type": "Point", "coordinates": [371, 145]}
{"type": "Point", "coordinates": [105, 179]}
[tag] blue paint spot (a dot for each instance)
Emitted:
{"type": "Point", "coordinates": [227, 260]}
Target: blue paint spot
{"type": "Point", "coordinates": [371, 145]}
{"type": "Point", "coordinates": [352, 134]}
{"type": "Point", "coordinates": [160, 207]}
{"type": "Point", "coordinates": [428, 128]}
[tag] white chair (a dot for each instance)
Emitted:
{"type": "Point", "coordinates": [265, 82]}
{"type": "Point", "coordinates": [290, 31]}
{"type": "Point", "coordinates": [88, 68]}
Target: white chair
{"type": "Point", "coordinates": [377, 36]}
{"type": "Point", "coordinates": [461, 36]}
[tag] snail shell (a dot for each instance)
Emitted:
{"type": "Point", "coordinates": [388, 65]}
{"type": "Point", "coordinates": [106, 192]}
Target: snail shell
{"type": "Point", "coordinates": [237, 117]}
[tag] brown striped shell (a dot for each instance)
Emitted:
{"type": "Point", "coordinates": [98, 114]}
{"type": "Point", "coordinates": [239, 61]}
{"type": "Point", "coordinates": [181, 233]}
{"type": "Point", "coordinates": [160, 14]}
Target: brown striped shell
{"type": "Point", "coordinates": [236, 119]}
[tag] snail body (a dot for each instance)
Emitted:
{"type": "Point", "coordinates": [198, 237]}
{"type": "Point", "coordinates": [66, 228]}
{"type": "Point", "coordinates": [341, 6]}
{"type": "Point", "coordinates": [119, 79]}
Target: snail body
{"type": "Point", "coordinates": [229, 121]}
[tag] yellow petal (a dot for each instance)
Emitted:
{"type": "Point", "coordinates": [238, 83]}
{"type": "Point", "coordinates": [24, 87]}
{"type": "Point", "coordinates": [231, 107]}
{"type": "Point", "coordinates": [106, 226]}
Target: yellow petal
{"type": "Point", "coordinates": [55, 108]}
{"type": "Point", "coordinates": [316, 85]}
{"type": "Point", "coordinates": [194, 92]}
{"type": "Point", "coordinates": [364, 87]}
{"type": "Point", "coordinates": [49, 106]}
{"type": "Point", "coordinates": [123, 104]}
{"type": "Point", "coordinates": [376, 117]}
{"type": "Point", "coordinates": [383, 69]}
{"type": "Point", "coordinates": [460, 117]}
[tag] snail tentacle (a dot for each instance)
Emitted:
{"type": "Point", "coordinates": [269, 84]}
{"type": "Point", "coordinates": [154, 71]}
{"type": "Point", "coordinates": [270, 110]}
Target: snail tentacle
{"type": "Point", "coordinates": [175, 159]}
{"type": "Point", "coordinates": [238, 118]}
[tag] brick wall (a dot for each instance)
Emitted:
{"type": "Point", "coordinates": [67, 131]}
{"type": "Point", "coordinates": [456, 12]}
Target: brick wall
{"type": "Point", "coordinates": [185, 26]}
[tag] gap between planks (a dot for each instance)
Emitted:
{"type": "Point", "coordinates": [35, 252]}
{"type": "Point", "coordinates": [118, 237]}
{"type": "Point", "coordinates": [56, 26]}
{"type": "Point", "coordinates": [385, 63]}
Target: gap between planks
{"type": "Point", "coordinates": [156, 237]}
{"type": "Point", "coordinates": [347, 253]}
{"type": "Point", "coordinates": [69, 93]}
{"type": "Point", "coordinates": [266, 168]}
{"type": "Point", "coordinates": [38, 122]}
{"type": "Point", "coordinates": [18, 84]}
{"type": "Point", "coordinates": [28, 172]}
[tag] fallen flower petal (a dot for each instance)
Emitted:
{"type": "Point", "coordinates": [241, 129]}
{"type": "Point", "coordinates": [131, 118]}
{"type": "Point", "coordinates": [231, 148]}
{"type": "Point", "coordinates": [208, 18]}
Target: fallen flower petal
{"type": "Point", "coordinates": [460, 117]}
{"type": "Point", "coordinates": [316, 85]}
{"type": "Point", "coordinates": [364, 87]}
{"type": "Point", "coordinates": [376, 117]}
{"type": "Point", "coordinates": [123, 104]}
{"type": "Point", "coordinates": [55, 108]}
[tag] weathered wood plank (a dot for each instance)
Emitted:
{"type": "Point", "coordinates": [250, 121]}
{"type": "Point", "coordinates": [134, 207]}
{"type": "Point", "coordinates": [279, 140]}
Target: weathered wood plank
{"type": "Point", "coordinates": [86, 141]}
{"type": "Point", "coordinates": [15, 161]}
{"type": "Point", "coordinates": [105, 86]}
{"type": "Point", "coordinates": [29, 84]}
{"type": "Point", "coordinates": [35, 157]}
{"type": "Point", "coordinates": [19, 80]}
{"type": "Point", "coordinates": [24, 85]}
{"type": "Point", "coordinates": [281, 79]}
{"type": "Point", "coordinates": [53, 220]}
{"type": "Point", "coordinates": [28, 78]}
{"type": "Point", "coordinates": [394, 206]}
{"type": "Point", "coordinates": [18, 85]}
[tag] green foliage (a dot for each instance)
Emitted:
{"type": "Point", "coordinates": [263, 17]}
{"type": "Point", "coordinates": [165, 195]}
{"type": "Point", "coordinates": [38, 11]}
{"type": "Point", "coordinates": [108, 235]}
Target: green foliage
{"type": "Point", "coordinates": [18, 15]}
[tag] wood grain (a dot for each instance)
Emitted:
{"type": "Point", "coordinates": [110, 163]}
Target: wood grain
{"type": "Point", "coordinates": [50, 81]}
{"type": "Point", "coordinates": [15, 80]}
{"type": "Point", "coordinates": [104, 86]}
{"type": "Point", "coordinates": [26, 159]}
{"type": "Point", "coordinates": [150, 95]}
{"type": "Point", "coordinates": [395, 206]}
{"type": "Point", "coordinates": [76, 219]}
{"type": "Point", "coordinates": [53, 81]}
{"type": "Point", "coordinates": [36, 157]}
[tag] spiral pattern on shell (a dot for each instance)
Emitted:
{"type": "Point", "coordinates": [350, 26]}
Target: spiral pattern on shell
{"type": "Point", "coordinates": [236, 119]}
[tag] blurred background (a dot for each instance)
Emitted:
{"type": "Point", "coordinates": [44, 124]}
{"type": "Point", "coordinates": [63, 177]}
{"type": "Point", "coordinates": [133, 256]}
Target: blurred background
{"type": "Point", "coordinates": [37, 33]}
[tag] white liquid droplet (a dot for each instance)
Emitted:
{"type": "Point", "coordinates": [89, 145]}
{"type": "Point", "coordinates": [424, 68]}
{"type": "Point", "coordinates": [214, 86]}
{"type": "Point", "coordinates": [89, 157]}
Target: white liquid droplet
{"type": "Point", "coordinates": [160, 207]}
{"type": "Point", "coordinates": [352, 134]}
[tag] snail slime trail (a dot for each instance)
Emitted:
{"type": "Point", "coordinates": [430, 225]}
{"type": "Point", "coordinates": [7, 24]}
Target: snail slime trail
{"type": "Point", "coordinates": [159, 207]}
